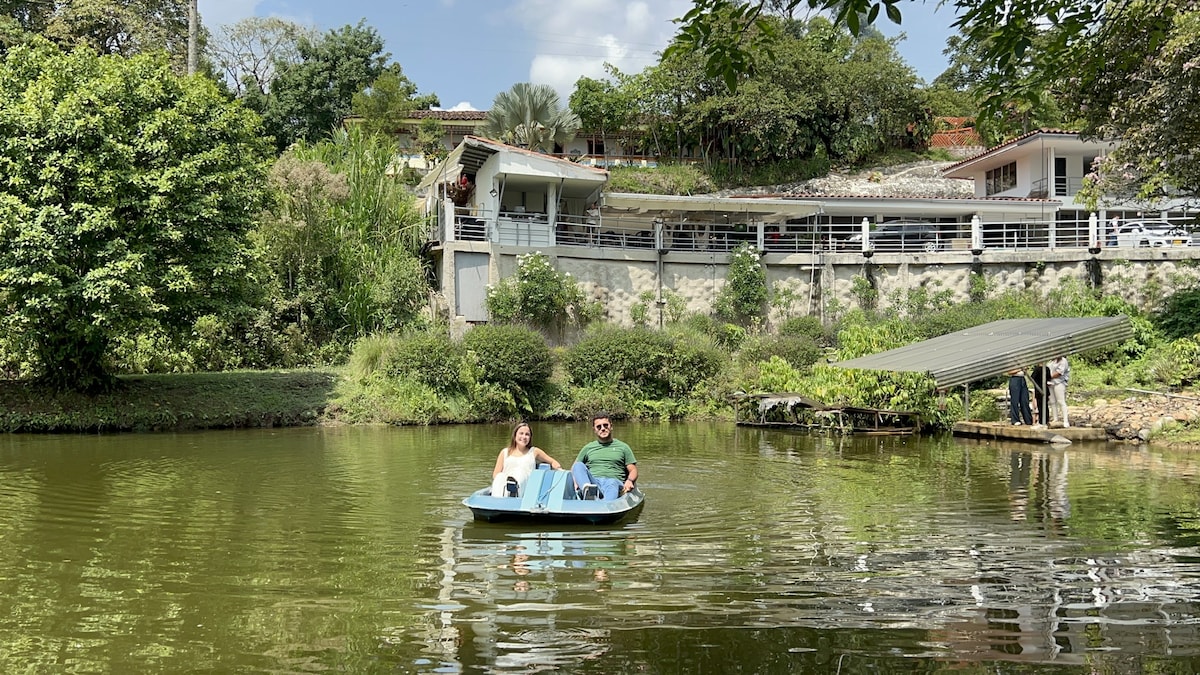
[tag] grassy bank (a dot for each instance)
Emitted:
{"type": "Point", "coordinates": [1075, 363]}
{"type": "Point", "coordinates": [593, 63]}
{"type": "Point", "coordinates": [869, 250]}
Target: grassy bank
{"type": "Point", "coordinates": [173, 402]}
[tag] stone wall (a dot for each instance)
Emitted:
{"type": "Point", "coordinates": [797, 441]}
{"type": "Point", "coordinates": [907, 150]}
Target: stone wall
{"type": "Point", "coordinates": [818, 282]}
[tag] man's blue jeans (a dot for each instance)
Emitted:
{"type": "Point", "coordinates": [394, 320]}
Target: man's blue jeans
{"type": "Point", "coordinates": [610, 488]}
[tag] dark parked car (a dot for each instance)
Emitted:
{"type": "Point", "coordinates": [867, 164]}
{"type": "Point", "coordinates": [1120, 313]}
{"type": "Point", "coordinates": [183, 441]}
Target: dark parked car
{"type": "Point", "coordinates": [900, 235]}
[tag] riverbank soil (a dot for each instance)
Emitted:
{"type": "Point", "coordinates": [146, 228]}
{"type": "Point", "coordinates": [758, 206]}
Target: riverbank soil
{"type": "Point", "coordinates": [241, 399]}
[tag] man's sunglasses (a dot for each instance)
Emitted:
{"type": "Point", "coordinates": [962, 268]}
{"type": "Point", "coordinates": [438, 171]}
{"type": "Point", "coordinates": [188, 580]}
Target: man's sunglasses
{"type": "Point", "coordinates": [603, 425]}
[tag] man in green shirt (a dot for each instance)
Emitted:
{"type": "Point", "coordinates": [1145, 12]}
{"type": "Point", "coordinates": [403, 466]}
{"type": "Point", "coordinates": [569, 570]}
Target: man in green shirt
{"type": "Point", "coordinates": [606, 467]}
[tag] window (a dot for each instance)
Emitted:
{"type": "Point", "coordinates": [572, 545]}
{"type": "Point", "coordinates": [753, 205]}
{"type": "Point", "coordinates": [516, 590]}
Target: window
{"type": "Point", "coordinates": [1002, 179]}
{"type": "Point", "coordinates": [595, 146]}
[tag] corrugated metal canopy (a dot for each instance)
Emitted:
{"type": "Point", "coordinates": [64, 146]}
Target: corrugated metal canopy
{"type": "Point", "coordinates": [996, 348]}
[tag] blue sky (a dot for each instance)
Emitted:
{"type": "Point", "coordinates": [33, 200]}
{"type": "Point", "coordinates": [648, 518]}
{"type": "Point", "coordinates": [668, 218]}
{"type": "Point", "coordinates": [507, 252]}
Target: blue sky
{"type": "Point", "coordinates": [467, 51]}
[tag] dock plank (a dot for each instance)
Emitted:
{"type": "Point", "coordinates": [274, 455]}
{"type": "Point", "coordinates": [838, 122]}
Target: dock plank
{"type": "Point", "coordinates": [1029, 434]}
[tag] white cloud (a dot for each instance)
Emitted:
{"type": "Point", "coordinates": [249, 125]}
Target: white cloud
{"type": "Point", "coordinates": [575, 39]}
{"type": "Point", "coordinates": [463, 105]}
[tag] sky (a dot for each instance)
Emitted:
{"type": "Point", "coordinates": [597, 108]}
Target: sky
{"type": "Point", "coordinates": [467, 51]}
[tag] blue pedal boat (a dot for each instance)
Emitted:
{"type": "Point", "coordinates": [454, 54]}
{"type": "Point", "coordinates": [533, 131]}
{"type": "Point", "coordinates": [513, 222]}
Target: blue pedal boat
{"type": "Point", "coordinates": [549, 497]}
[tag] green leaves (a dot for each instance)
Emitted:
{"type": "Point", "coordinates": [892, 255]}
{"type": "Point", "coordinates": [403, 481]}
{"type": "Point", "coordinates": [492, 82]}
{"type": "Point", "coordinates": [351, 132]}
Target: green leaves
{"type": "Point", "coordinates": [126, 196]}
{"type": "Point", "coordinates": [530, 115]}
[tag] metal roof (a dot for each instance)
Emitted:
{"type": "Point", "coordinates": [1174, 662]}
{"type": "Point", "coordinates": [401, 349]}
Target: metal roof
{"type": "Point", "coordinates": [996, 348]}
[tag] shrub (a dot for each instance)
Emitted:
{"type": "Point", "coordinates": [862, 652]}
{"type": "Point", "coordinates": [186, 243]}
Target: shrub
{"type": "Point", "coordinates": [806, 326]}
{"type": "Point", "coordinates": [513, 357]}
{"type": "Point", "coordinates": [634, 356]}
{"type": "Point", "coordinates": [1180, 314]}
{"type": "Point", "coordinates": [696, 358]}
{"type": "Point", "coordinates": [743, 298]}
{"type": "Point", "coordinates": [540, 296]}
{"type": "Point", "coordinates": [799, 351]}
{"type": "Point", "coordinates": [432, 359]}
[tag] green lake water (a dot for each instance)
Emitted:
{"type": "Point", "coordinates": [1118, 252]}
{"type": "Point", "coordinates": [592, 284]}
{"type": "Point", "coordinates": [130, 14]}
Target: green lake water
{"type": "Point", "coordinates": [349, 550]}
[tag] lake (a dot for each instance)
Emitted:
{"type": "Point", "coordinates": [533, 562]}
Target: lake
{"type": "Point", "coordinates": [758, 551]}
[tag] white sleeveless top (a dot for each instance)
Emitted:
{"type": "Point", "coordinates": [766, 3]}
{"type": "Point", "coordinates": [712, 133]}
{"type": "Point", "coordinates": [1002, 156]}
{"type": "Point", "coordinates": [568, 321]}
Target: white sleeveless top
{"type": "Point", "coordinates": [517, 466]}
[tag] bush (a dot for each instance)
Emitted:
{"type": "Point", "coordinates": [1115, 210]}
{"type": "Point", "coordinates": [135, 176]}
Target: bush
{"type": "Point", "coordinates": [806, 326]}
{"type": "Point", "coordinates": [540, 296]}
{"type": "Point", "coordinates": [726, 335]}
{"type": "Point", "coordinates": [513, 357]}
{"type": "Point", "coordinates": [634, 356]}
{"type": "Point", "coordinates": [1180, 314]}
{"type": "Point", "coordinates": [743, 298]}
{"type": "Point", "coordinates": [799, 351]}
{"type": "Point", "coordinates": [696, 359]}
{"type": "Point", "coordinates": [432, 359]}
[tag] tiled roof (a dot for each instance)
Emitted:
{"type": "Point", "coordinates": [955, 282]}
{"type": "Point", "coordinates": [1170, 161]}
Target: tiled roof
{"type": "Point", "coordinates": [450, 115]}
{"type": "Point", "coordinates": [1010, 142]}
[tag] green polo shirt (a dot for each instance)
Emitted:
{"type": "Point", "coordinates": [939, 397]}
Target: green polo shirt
{"type": "Point", "coordinates": [607, 460]}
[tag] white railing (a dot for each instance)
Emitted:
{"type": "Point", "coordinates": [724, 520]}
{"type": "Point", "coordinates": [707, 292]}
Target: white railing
{"type": "Point", "coordinates": [536, 229]}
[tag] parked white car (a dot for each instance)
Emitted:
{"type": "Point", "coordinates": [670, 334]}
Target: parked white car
{"type": "Point", "coordinates": [1155, 233]}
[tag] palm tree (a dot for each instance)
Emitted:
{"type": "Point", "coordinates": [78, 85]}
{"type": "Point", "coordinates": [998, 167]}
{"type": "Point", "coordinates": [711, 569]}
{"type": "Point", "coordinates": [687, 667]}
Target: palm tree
{"type": "Point", "coordinates": [530, 115]}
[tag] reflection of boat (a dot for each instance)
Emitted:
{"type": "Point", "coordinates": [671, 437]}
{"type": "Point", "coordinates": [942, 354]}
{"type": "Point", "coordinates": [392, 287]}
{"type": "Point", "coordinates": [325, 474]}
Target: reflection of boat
{"type": "Point", "coordinates": [549, 497]}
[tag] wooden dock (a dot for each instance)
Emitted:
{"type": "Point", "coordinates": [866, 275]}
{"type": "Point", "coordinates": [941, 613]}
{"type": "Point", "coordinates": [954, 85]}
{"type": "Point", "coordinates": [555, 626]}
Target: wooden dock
{"type": "Point", "coordinates": [1003, 431]}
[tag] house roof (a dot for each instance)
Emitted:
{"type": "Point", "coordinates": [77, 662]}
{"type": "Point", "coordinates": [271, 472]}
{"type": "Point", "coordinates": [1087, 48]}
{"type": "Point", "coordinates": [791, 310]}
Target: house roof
{"type": "Point", "coordinates": [765, 208]}
{"type": "Point", "coordinates": [995, 348]}
{"type": "Point", "coordinates": [450, 115]}
{"type": "Point", "coordinates": [957, 170]}
{"type": "Point", "coordinates": [473, 151]}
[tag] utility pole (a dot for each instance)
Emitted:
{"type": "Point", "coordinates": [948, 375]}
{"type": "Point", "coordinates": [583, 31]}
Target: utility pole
{"type": "Point", "coordinates": [193, 37]}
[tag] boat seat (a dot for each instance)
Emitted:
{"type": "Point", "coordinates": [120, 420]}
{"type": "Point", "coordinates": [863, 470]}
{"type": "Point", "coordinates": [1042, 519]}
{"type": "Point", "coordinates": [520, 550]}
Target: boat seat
{"type": "Point", "coordinates": [540, 489]}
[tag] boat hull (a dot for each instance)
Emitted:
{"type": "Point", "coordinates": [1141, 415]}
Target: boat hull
{"type": "Point", "coordinates": [548, 498]}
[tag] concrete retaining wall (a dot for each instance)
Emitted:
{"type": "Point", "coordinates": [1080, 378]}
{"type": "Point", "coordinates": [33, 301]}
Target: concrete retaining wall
{"type": "Point", "coordinates": [820, 283]}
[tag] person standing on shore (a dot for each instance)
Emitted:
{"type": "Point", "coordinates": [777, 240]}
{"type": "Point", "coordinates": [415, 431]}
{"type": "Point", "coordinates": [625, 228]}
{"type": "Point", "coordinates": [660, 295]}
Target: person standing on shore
{"type": "Point", "coordinates": [1041, 393]}
{"type": "Point", "coordinates": [1060, 375]}
{"type": "Point", "coordinates": [1018, 398]}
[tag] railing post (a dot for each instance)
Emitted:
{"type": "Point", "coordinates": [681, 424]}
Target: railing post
{"type": "Point", "coordinates": [449, 218]}
{"type": "Point", "coordinates": [866, 235]}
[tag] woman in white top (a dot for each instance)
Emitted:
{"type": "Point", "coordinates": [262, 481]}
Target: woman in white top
{"type": "Point", "coordinates": [516, 461]}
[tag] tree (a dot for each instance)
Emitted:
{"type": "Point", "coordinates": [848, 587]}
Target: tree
{"type": "Point", "coordinates": [128, 192]}
{"type": "Point", "coordinates": [341, 239]}
{"type": "Point", "coordinates": [602, 105]}
{"type": "Point", "coordinates": [429, 141]}
{"type": "Point", "coordinates": [530, 115]}
{"type": "Point", "coordinates": [249, 52]}
{"type": "Point", "coordinates": [388, 101]}
{"type": "Point", "coordinates": [123, 27]}
{"type": "Point", "coordinates": [311, 97]}
{"type": "Point", "coordinates": [1023, 42]}
{"type": "Point", "coordinates": [1139, 83]}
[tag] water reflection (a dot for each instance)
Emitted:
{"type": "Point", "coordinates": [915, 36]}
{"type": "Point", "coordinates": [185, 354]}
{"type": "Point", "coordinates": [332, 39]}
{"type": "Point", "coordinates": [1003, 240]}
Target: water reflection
{"type": "Point", "coordinates": [522, 591]}
{"type": "Point", "coordinates": [758, 551]}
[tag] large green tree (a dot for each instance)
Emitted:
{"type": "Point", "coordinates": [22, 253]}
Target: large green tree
{"type": "Point", "coordinates": [1140, 83]}
{"type": "Point", "coordinates": [733, 37]}
{"type": "Point", "coordinates": [126, 198]}
{"type": "Point", "coordinates": [531, 116]}
{"type": "Point", "coordinates": [106, 26]}
{"type": "Point", "coordinates": [310, 97]}
{"type": "Point", "coordinates": [388, 101]}
{"type": "Point", "coordinates": [825, 94]}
